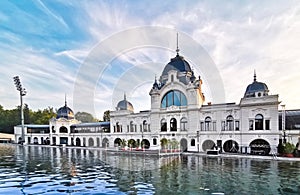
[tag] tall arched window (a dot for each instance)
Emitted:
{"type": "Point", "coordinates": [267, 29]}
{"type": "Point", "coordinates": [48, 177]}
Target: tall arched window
{"type": "Point", "coordinates": [173, 98]}
{"type": "Point", "coordinates": [183, 124]}
{"type": "Point", "coordinates": [259, 122]}
{"type": "Point", "coordinates": [131, 126]}
{"type": "Point", "coordinates": [207, 123]}
{"type": "Point", "coordinates": [154, 141]}
{"type": "Point", "coordinates": [193, 142]}
{"type": "Point", "coordinates": [163, 125]}
{"type": "Point", "coordinates": [229, 123]}
{"type": "Point", "coordinates": [173, 124]}
{"type": "Point", "coordinates": [118, 127]}
{"type": "Point", "coordinates": [145, 125]}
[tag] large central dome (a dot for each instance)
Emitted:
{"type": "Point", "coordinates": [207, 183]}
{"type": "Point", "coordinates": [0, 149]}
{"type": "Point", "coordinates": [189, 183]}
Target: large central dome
{"type": "Point", "coordinates": [182, 67]}
{"type": "Point", "coordinates": [179, 64]}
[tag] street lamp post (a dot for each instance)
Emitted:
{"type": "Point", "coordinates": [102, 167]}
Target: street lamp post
{"type": "Point", "coordinates": [283, 123]}
{"type": "Point", "coordinates": [22, 93]}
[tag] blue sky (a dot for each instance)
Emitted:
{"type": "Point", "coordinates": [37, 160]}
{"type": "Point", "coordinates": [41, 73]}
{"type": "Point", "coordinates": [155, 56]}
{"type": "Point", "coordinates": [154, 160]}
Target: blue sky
{"type": "Point", "coordinates": [48, 44]}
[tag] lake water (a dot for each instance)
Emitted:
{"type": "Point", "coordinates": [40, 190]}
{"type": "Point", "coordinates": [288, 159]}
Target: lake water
{"type": "Point", "coordinates": [50, 170]}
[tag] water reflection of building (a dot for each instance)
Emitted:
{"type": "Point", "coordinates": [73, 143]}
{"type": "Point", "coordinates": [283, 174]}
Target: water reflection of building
{"type": "Point", "coordinates": [177, 113]}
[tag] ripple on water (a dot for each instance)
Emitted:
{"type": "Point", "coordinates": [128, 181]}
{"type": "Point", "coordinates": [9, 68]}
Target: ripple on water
{"type": "Point", "coordinates": [38, 171]}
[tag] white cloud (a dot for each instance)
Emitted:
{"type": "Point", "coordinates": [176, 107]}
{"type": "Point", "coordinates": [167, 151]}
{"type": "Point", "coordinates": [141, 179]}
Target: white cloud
{"type": "Point", "coordinates": [240, 41]}
{"type": "Point", "coordinates": [44, 78]}
{"type": "Point", "coordinates": [52, 14]}
{"type": "Point", "coordinates": [240, 37]}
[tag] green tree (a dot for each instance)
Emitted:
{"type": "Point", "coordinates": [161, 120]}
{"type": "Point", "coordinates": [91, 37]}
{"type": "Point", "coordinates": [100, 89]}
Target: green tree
{"type": "Point", "coordinates": [85, 117]}
{"type": "Point", "coordinates": [42, 117]}
{"type": "Point", "coordinates": [106, 115]}
{"type": "Point", "coordinates": [123, 143]}
{"type": "Point", "coordinates": [164, 143]}
{"type": "Point", "coordinates": [11, 118]}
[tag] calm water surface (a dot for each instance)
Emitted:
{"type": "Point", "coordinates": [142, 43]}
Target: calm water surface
{"type": "Point", "coordinates": [49, 170]}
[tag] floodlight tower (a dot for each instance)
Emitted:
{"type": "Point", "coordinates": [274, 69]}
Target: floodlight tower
{"type": "Point", "coordinates": [22, 93]}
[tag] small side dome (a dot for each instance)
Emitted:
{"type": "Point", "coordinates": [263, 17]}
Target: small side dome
{"type": "Point", "coordinates": [65, 112]}
{"type": "Point", "coordinates": [256, 89]}
{"type": "Point", "coordinates": [125, 105]}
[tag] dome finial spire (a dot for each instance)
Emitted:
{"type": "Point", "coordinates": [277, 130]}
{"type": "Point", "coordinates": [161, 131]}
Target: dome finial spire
{"type": "Point", "coordinates": [124, 95]}
{"type": "Point", "coordinates": [65, 99]}
{"type": "Point", "coordinates": [254, 75]}
{"type": "Point", "coordinates": [177, 49]}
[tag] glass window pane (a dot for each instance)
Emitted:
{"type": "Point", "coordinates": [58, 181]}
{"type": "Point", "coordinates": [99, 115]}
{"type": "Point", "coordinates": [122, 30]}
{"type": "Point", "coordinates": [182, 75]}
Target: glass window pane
{"type": "Point", "coordinates": [183, 100]}
{"type": "Point", "coordinates": [177, 98]}
{"type": "Point", "coordinates": [164, 102]}
{"type": "Point", "coordinates": [170, 101]}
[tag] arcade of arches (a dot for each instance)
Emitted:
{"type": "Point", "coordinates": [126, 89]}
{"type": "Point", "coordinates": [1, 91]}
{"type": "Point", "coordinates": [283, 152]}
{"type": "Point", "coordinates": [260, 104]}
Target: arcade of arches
{"type": "Point", "coordinates": [257, 146]}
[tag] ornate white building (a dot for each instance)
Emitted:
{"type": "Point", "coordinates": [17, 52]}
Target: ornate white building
{"type": "Point", "coordinates": [177, 114]}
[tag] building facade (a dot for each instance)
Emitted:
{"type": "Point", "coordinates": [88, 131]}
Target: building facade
{"type": "Point", "coordinates": [65, 130]}
{"type": "Point", "coordinates": [178, 113]}
{"type": "Point", "coordinates": [178, 119]}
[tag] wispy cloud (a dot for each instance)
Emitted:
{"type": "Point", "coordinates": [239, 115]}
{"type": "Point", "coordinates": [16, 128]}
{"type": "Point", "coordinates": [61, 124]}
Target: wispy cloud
{"type": "Point", "coordinates": [48, 44]}
{"type": "Point", "coordinates": [50, 13]}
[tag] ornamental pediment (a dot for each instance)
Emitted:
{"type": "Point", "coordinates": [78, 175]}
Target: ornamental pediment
{"type": "Point", "coordinates": [259, 110]}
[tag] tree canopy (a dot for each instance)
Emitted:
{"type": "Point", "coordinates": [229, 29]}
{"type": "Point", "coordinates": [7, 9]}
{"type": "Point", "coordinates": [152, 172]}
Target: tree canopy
{"type": "Point", "coordinates": [11, 118]}
{"type": "Point", "coordinates": [85, 117]}
{"type": "Point", "coordinates": [106, 115]}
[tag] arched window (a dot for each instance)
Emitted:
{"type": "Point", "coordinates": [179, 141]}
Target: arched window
{"type": "Point", "coordinates": [173, 98]}
{"type": "Point", "coordinates": [259, 121]}
{"type": "Point", "coordinates": [173, 124]}
{"type": "Point", "coordinates": [163, 125]}
{"type": "Point", "coordinates": [154, 141]}
{"type": "Point", "coordinates": [131, 126]}
{"type": "Point", "coordinates": [118, 127]}
{"type": "Point", "coordinates": [145, 125]}
{"type": "Point", "coordinates": [183, 124]}
{"type": "Point", "coordinates": [229, 123]}
{"type": "Point", "coordinates": [207, 123]}
{"type": "Point", "coordinates": [63, 129]}
{"type": "Point", "coordinates": [193, 142]}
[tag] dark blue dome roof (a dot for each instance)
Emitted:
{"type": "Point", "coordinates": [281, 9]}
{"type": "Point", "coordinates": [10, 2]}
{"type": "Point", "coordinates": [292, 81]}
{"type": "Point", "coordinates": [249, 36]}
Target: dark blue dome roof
{"type": "Point", "coordinates": [179, 64]}
{"type": "Point", "coordinates": [65, 112]}
{"type": "Point", "coordinates": [256, 87]}
{"type": "Point", "coordinates": [125, 105]}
